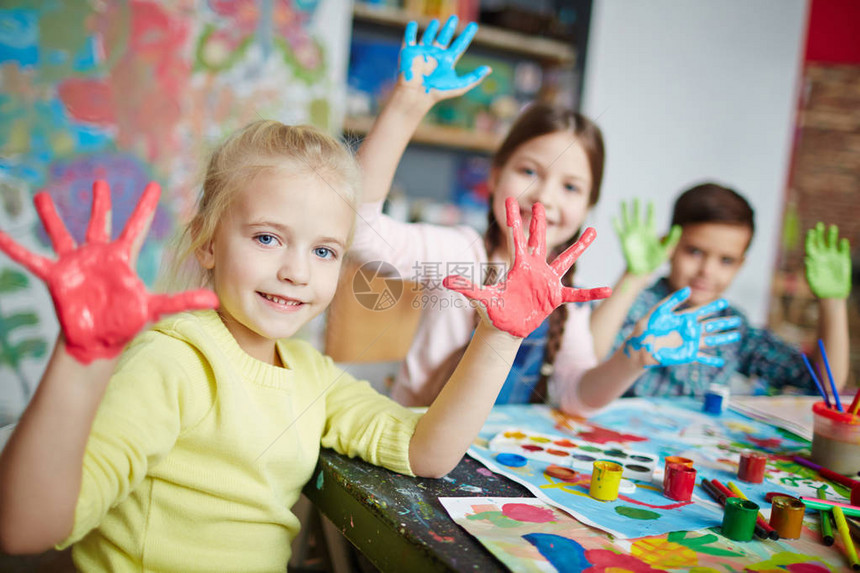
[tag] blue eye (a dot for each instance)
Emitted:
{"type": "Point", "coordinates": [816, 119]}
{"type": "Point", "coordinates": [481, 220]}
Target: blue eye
{"type": "Point", "coordinates": [324, 253]}
{"type": "Point", "coordinates": [528, 171]}
{"type": "Point", "coordinates": [265, 239]}
{"type": "Point", "coordinates": [571, 187]}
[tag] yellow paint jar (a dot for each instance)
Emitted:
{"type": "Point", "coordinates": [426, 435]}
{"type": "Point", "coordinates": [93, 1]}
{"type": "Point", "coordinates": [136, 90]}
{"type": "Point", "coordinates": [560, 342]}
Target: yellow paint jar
{"type": "Point", "coordinates": [605, 480]}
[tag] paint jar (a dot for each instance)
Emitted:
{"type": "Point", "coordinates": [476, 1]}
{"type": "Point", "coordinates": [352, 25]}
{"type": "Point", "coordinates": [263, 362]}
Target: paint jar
{"type": "Point", "coordinates": [739, 519]}
{"type": "Point", "coordinates": [679, 482]}
{"type": "Point", "coordinates": [786, 516]}
{"type": "Point", "coordinates": [674, 460]}
{"type": "Point", "coordinates": [835, 439]}
{"type": "Point", "coordinates": [605, 480]}
{"type": "Point", "coordinates": [751, 466]}
{"type": "Point", "coordinates": [716, 398]}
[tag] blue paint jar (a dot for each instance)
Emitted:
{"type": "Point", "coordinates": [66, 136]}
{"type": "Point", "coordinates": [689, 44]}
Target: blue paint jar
{"type": "Point", "coordinates": [716, 399]}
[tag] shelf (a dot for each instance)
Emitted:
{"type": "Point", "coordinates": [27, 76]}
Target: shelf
{"type": "Point", "coordinates": [438, 135]}
{"type": "Point", "coordinates": [553, 52]}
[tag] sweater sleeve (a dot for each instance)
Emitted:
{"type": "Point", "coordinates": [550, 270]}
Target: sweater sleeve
{"type": "Point", "coordinates": [362, 422]}
{"type": "Point", "coordinates": [420, 252]}
{"type": "Point", "coordinates": [150, 399]}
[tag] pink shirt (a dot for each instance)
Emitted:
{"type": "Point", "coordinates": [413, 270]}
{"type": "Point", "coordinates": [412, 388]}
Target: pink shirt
{"type": "Point", "coordinates": [425, 254]}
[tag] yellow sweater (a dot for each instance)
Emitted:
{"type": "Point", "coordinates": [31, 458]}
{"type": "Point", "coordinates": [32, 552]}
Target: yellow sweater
{"type": "Point", "coordinates": [198, 451]}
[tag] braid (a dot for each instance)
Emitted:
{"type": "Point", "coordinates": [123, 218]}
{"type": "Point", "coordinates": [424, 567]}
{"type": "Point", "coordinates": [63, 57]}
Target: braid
{"type": "Point", "coordinates": [557, 321]}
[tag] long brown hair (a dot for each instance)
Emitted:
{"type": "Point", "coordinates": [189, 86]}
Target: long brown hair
{"type": "Point", "coordinates": [537, 120]}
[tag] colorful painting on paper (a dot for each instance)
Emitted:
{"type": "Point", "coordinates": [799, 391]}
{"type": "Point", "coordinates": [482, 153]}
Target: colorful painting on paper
{"type": "Point", "coordinates": [133, 92]}
{"type": "Point", "coordinates": [530, 536]}
{"type": "Point", "coordinates": [662, 428]}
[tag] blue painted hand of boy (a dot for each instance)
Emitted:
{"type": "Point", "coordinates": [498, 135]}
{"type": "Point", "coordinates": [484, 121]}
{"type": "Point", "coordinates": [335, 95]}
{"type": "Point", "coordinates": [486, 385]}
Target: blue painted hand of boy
{"type": "Point", "coordinates": [643, 250]}
{"type": "Point", "coordinates": [532, 288]}
{"type": "Point", "coordinates": [431, 62]}
{"type": "Point", "coordinates": [669, 338]}
{"type": "Point", "coordinates": [828, 262]}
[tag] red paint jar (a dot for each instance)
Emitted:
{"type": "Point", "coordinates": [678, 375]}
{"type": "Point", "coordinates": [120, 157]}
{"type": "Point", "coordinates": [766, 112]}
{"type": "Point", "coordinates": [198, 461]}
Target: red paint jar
{"type": "Point", "coordinates": [679, 482]}
{"type": "Point", "coordinates": [751, 467]}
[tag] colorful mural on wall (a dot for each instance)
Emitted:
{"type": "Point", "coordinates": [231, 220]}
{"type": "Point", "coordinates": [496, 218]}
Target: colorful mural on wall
{"type": "Point", "coordinates": [134, 91]}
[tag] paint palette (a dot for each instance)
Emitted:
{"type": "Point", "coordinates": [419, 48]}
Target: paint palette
{"type": "Point", "coordinates": [576, 454]}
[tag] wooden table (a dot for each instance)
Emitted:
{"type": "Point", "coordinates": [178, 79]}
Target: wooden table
{"type": "Point", "coordinates": [397, 521]}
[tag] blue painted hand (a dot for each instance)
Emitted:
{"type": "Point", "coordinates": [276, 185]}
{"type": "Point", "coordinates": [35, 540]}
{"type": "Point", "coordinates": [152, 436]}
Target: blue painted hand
{"type": "Point", "coordinates": [670, 338]}
{"type": "Point", "coordinates": [432, 60]}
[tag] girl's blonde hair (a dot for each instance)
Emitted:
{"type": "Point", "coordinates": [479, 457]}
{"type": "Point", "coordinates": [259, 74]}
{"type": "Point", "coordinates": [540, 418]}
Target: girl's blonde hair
{"type": "Point", "coordinates": [259, 147]}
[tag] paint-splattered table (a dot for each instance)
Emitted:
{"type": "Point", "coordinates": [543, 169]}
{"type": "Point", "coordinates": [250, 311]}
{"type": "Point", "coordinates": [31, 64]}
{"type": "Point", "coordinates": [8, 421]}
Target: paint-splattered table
{"type": "Point", "coordinates": [397, 521]}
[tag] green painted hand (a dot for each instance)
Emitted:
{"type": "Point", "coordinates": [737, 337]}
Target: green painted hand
{"type": "Point", "coordinates": [643, 250]}
{"type": "Point", "coordinates": [828, 262]}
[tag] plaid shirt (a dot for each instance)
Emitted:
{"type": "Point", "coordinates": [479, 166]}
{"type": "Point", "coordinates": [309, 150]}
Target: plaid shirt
{"type": "Point", "coordinates": [760, 353]}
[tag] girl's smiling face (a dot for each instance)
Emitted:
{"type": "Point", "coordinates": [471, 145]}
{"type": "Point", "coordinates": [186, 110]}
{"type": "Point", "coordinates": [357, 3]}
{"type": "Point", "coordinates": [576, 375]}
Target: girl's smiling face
{"type": "Point", "coordinates": [554, 170]}
{"type": "Point", "coordinates": [276, 255]}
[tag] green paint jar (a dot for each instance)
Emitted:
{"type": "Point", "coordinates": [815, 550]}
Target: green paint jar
{"type": "Point", "coordinates": [739, 519]}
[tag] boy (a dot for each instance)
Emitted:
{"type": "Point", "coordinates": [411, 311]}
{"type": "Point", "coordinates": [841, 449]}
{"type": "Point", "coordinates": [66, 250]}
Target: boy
{"type": "Point", "coordinates": [716, 228]}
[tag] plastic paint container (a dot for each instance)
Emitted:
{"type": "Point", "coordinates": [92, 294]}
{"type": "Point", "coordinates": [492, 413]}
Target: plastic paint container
{"type": "Point", "coordinates": [739, 519]}
{"type": "Point", "coordinates": [679, 482]}
{"type": "Point", "coordinates": [605, 480]}
{"type": "Point", "coordinates": [751, 467]}
{"type": "Point", "coordinates": [716, 399]}
{"type": "Point", "coordinates": [835, 439]}
{"type": "Point", "coordinates": [786, 516]}
{"type": "Point", "coordinates": [674, 460]}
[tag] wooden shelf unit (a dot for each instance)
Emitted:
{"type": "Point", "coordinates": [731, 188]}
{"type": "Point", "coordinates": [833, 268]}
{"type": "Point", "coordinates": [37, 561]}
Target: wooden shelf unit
{"type": "Point", "coordinates": [549, 52]}
{"type": "Point", "coordinates": [436, 135]}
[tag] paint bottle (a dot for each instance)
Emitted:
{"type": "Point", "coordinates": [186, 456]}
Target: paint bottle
{"type": "Point", "coordinates": [835, 439]}
{"type": "Point", "coordinates": [679, 482]}
{"type": "Point", "coordinates": [739, 519]}
{"type": "Point", "coordinates": [786, 516]}
{"type": "Point", "coordinates": [605, 480]}
{"type": "Point", "coordinates": [716, 398]}
{"type": "Point", "coordinates": [674, 460]}
{"type": "Point", "coordinates": [751, 466]}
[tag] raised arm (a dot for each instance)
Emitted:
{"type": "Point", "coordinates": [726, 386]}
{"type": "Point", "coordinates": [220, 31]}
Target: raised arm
{"type": "Point", "coordinates": [644, 252]}
{"type": "Point", "coordinates": [426, 75]}
{"type": "Point", "coordinates": [662, 338]}
{"type": "Point", "coordinates": [828, 271]}
{"type": "Point", "coordinates": [509, 312]}
{"type": "Point", "coordinates": [101, 304]}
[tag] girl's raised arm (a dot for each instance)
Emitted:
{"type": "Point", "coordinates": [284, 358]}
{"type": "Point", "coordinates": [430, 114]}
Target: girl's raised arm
{"type": "Point", "coordinates": [101, 305]}
{"type": "Point", "coordinates": [426, 75]}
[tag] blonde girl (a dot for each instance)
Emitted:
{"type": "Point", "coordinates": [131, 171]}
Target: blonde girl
{"type": "Point", "coordinates": [184, 447]}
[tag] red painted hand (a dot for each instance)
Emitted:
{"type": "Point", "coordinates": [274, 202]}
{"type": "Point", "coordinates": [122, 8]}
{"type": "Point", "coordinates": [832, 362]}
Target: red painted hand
{"type": "Point", "coordinates": [100, 301]}
{"type": "Point", "coordinates": [532, 289]}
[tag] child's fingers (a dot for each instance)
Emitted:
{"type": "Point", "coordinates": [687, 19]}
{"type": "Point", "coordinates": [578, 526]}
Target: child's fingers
{"type": "Point", "coordinates": [466, 287]}
{"type": "Point", "coordinates": [565, 260]}
{"type": "Point", "coordinates": [711, 307]}
{"type": "Point", "coordinates": [430, 33]}
{"type": "Point", "coordinates": [60, 237]}
{"type": "Point", "coordinates": [832, 237]}
{"type": "Point", "coordinates": [709, 360]}
{"type": "Point", "coordinates": [722, 338]}
{"type": "Point", "coordinates": [537, 231]}
{"type": "Point", "coordinates": [584, 295]}
{"type": "Point", "coordinates": [515, 223]}
{"type": "Point", "coordinates": [671, 240]}
{"type": "Point", "coordinates": [467, 81]}
{"type": "Point", "coordinates": [635, 218]}
{"type": "Point", "coordinates": [410, 36]}
{"type": "Point", "coordinates": [36, 264]}
{"type": "Point", "coordinates": [137, 226]}
{"type": "Point", "coordinates": [725, 323]}
{"type": "Point", "coordinates": [162, 304]}
{"type": "Point", "coordinates": [675, 299]}
{"type": "Point", "coordinates": [845, 248]}
{"type": "Point", "coordinates": [462, 42]}
{"type": "Point", "coordinates": [97, 230]}
{"type": "Point", "coordinates": [447, 32]}
{"type": "Point", "coordinates": [649, 217]}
